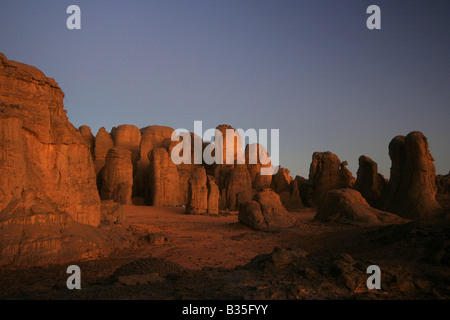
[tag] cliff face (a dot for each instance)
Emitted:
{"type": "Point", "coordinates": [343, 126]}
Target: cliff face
{"type": "Point", "coordinates": [48, 188]}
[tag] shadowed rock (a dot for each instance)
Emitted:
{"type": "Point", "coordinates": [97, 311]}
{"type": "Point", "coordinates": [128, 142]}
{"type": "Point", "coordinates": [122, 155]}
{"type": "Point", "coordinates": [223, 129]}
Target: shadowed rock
{"type": "Point", "coordinates": [198, 192]}
{"type": "Point", "coordinates": [411, 192]}
{"type": "Point", "coordinates": [348, 206]}
{"type": "Point", "coordinates": [369, 182]}
{"type": "Point", "coordinates": [291, 197]}
{"type": "Point", "coordinates": [103, 142]}
{"type": "Point", "coordinates": [327, 173]}
{"type": "Point", "coordinates": [306, 192]}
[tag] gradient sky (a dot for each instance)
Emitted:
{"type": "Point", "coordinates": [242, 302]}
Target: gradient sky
{"type": "Point", "coordinates": [309, 68]}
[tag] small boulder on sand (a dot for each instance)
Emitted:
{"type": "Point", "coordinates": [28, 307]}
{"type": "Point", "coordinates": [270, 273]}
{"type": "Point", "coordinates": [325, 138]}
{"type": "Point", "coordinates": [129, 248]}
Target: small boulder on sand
{"type": "Point", "coordinates": [348, 206]}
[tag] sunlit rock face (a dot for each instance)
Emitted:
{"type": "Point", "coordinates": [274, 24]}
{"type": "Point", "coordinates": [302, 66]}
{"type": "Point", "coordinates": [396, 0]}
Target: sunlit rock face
{"type": "Point", "coordinates": [48, 191]}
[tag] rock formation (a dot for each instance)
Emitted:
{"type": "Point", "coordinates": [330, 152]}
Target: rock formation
{"type": "Point", "coordinates": [257, 153]}
{"type": "Point", "coordinates": [88, 137]}
{"type": "Point", "coordinates": [327, 173]}
{"type": "Point", "coordinates": [349, 207]}
{"type": "Point", "coordinates": [265, 212]}
{"type": "Point", "coordinates": [234, 154]}
{"type": "Point", "coordinates": [239, 187]}
{"type": "Point", "coordinates": [369, 182]}
{"type": "Point", "coordinates": [306, 191]}
{"type": "Point", "coordinates": [163, 179]}
{"type": "Point", "coordinates": [198, 192]}
{"type": "Point", "coordinates": [116, 177]}
{"type": "Point", "coordinates": [49, 204]}
{"type": "Point", "coordinates": [151, 137]}
{"type": "Point", "coordinates": [287, 189]}
{"type": "Point", "coordinates": [281, 180]}
{"type": "Point", "coordinates": [128, 137]}
{"type": "Point", "coordinates": [103, 142]}
{"type": "Point", "coordinates": [411, 192]}
{"type": "Point", "coordinates": [290, 198]}
{"type": "Point", "coordinates": [213, 196]}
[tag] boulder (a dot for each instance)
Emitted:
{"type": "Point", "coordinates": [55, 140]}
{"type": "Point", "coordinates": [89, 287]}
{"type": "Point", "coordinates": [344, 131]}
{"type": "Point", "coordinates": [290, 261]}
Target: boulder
{"type": "Point", "coordinates": [198, 192]}
{"type": "Point", "coordinates": [369, 182]}
{"type": "Point", "coordinates": [327, 173]}
{"type": "Point", "coordinates": [265, 212]}
{"type": "Point", "coordinates": [411, 192]}
{"type": "Point", "coordinates": [348, 206]}
{"type": "Point", "coordinates": [116, 177]}
{"type": "Point", "coordinates": [163, 179]}
{"type": "Point", "coordinates": [103, 142]}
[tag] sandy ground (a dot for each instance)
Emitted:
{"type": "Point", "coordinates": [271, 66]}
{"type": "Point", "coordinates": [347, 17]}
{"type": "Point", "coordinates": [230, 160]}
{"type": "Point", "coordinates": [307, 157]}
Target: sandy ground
{"type": "Point", "coordinates": [197, 241]}
{"type": "Point", "coordinates": [216, 257]}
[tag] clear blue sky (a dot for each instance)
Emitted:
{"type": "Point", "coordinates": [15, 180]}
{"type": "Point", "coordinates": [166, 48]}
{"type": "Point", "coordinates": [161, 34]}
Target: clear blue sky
{"type": "Point", "coordinates": [309, 68]}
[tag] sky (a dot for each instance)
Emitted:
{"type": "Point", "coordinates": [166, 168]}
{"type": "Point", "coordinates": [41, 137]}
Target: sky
{"type": "Point", "coordinates": [311, 69]}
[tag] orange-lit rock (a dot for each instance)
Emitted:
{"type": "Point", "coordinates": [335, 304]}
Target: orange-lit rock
{"type": "Point", "coordinates": [116, 177]}
{"type": "Point", "coordinates": [49, 204]}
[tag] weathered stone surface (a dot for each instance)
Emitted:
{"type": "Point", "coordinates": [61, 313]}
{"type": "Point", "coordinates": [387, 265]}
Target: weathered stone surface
{"type": "Point", "coordinates": [164, 180]}
{"type": "Point", "coordinates": [49, 204]}
{"type": "Point", "coordinates": [348, 206]}
{"type": "Point", "coordinates": [128, 137]}
{"type": "Point", "coordinates": [327, 173]}
{"type": "Point", "coordinates": [257, 153]}
{"type": "Point", "coordinates": [151, 137]}
{"type": "Point", "coordinates": [213, 196]}
{"type": "Point", "coordinates": [103, 142]}
{"type": "Point", "coordinates": [281, 180]}
{"type": "Point", "coordinates": [265, 212]}
{"type": "Point", "coordinates": [198, 192]}
{"type": "Point", "coordinates": [369, 182]}
{"type": "Point", "coordinates": [239, 187]}
{"type": "Point", "coordinates": [116, 177]}
{"type": "Point", "coordinates": [291, 197]}
{"type": "Point", "coordinates": [88, 137]}
{"type": "Point", "coordinates": [305, 190]}
{"type": "Point", "coordinates": [411, 192]}
{"type": "Point", "coordinates": [51, 147]}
